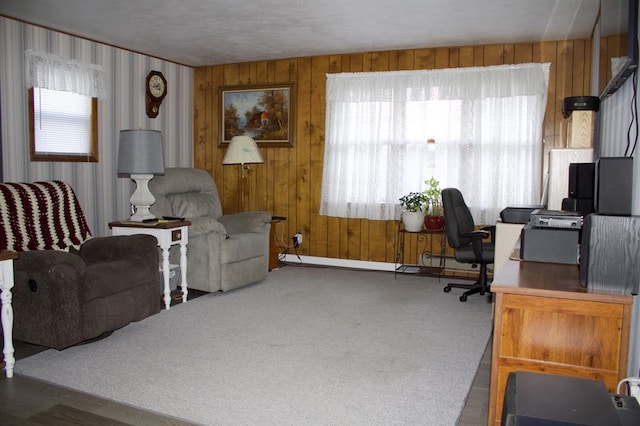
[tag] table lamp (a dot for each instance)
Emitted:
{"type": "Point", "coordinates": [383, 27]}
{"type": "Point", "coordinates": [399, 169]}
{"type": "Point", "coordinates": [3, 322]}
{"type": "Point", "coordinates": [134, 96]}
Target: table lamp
{"type": "Point", "coordinates": [140, 157]}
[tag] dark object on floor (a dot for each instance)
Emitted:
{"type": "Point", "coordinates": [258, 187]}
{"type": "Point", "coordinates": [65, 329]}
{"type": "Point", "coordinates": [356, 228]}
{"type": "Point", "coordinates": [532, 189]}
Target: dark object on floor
{"type": "Point", "coordinates": [546, 399]}
{"type": "Point", "coordinates": [466, 241]}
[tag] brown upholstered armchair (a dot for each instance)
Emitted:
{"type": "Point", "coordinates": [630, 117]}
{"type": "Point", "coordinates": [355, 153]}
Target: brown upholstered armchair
{"type": "Point", "coordinates": [70, 287]}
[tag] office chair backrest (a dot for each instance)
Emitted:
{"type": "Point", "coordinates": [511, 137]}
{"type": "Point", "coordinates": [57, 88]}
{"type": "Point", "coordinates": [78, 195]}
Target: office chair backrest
{"type": "Point", "coordinates": [457, 218]}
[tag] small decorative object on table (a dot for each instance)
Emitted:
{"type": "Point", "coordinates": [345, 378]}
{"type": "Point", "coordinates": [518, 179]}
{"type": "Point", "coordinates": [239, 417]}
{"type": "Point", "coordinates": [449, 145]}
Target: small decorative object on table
{"type": "Point", "coordinates": [413, 213]}
{"type": "Point", "coordinates": [434, 217]}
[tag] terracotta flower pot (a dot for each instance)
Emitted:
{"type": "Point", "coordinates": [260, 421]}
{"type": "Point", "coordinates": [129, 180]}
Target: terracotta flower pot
{"type": "Point", "coordinates": [434, 223]}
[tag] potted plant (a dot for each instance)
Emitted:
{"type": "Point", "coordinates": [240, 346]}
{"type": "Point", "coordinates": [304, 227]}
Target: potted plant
{"type": "Point", "coordinates": [434, 218]}
{"type": "Point", "coordinates": [413, 213]}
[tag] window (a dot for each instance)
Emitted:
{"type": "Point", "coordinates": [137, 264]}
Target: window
{"type": "Point", "coordinates": [63, 126]}
{"type": "Point", "coordinates": [63, 107]}
{"type": "Point", "coordinates": [486, 122]}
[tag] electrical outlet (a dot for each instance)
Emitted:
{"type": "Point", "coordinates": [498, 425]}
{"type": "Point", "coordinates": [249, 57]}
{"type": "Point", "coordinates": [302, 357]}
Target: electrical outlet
{"type": "Point", "coordinates": [297, 239]}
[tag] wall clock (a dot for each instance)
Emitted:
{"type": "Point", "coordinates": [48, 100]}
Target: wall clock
{"type": "Point", "coordinates": [156, 91]}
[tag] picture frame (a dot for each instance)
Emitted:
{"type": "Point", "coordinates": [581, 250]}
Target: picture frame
{"type": "Point", "coordinates": [266, 112]}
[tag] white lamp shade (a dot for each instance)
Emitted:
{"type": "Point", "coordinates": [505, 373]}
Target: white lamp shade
{"type": "Point", "coordinates": [242, 150]}
{"type": "Point", "coordinates": [140, 152]}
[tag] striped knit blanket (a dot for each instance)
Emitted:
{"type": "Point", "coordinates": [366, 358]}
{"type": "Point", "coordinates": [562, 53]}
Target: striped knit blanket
{"type": "Point", "coordinates": [41, 216]}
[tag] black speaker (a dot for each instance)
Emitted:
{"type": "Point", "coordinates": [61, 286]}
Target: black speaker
{"type": "Point", "coordinates": [584, 206]}
{"type": "Point", "coordinates": [613, 185]}
{"type": "Point", "coordinates": [610, 253]}
{"type": "Point", "coordinates": [581, 177]}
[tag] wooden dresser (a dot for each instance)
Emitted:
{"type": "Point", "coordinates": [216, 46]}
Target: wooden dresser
{"type": "Point", "coordinates": [546, 322]}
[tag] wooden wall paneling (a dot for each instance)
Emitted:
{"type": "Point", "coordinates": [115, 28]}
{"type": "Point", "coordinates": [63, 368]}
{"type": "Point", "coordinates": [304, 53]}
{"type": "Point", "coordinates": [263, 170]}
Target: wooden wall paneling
{"type": "Point", "coordinates": [215, 77]}
{"type": "Point", "coordinates": [478, 56]}
{"type": "Point", "coordinates": [405, 60]}
{"type": "Point", "coordinates": [303, 150]}
{"type": "Point", "coordinates": [424, 59]}
{"type": "Point", "coordinates": [229, 186]}
{"type": "Point", "coordinates": [579, 68]}
{"type": "Point", "coordinates": [522, 53]}
{"type": "Point", "coordinates": [317, 234]}
{"type": "Point", "coordinates": [465, 57]}
{"type": "Point", "coordinates": [493, 55]}
{"type": "Point", "coordinates": [201, 149]}
{"type": "Point", "coordinates": [289, 182]}
{"type": "Point", "coordinates": [546, 52]}
{"type": "Point", "coordinates": [610, 47]}
{"type": "Point", "coordinates": [564, 84]}
{"type": "Point", "coordinates": [509, 54]}
{"type": "Point", "coordinates": [441, 58]}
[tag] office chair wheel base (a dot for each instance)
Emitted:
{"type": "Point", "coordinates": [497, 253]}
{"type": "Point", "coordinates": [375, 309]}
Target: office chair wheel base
{"type": "Point", "coordinates": [447, 289]}
{"type": "Point", "coordinates": [463, 298]}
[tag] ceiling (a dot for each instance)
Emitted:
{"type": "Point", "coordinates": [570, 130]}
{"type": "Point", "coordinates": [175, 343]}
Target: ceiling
{"type": "Point", "coordinates": [212, 32]}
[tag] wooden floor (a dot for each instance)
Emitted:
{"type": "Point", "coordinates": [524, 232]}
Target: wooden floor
{"type": "Point", "coordinates": [25, 401]}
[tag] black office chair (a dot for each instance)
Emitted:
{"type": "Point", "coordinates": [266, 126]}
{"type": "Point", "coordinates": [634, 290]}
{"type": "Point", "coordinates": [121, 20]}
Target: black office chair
{"type": "Point", "coordinates": [467, 241]}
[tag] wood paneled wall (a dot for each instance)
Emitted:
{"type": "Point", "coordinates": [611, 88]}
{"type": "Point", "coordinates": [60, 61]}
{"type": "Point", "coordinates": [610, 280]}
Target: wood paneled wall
{"type": "Point", "coordinates": [289, 182]}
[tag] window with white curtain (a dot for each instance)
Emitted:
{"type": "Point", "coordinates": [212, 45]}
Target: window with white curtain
{"type": "Point", "coordinates": [63, 107]}
{"type": "Point", "coordinates": [486, 124]}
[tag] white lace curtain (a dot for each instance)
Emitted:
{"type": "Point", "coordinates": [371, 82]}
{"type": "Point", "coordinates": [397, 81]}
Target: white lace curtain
{"type": "Point", "coordinates": [52, 72]}
{"type": "Point", "coordinates": [486, 123]}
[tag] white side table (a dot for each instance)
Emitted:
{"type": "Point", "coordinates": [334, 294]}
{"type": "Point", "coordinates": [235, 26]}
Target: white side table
{"type": "Point", "coordinates": [6, 284]}
{"type": "Point", "coordinates": [167, 233]}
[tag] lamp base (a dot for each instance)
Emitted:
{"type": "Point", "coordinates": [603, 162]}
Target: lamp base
{"type": "Point", "coordinates": [142, 199]}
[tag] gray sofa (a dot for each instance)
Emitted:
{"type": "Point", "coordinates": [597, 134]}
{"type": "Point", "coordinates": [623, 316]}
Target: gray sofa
{"type": "Point", "coordinates": [224, 251]}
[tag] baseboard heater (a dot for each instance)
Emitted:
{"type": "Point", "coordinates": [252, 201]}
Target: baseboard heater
{"type": "Point", "coordinates": [451, 264]}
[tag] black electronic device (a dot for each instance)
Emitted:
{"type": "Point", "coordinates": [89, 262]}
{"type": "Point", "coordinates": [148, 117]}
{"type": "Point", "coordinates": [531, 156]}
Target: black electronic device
{"type": "Point", "coordinates": [553, 245]}
{"type": "Point", "coordinates": [613, 185]}
{"type": "Point", "coordinates": [582, 206]}
{"type": "Point", "coordinates": [610, 253]}
{"type": "Point", "coordinates": [536, 399]}
{"type": "Point", "coordinates": [581, 178]}
{"type": "Point", "coordinates": [619, 18]}
{"type": "Point", "coordinates": [579, 103]}
{"type": "Point", "coordinates": [517, 214]}
{"type": "Point", "coordinates": [556, 219]}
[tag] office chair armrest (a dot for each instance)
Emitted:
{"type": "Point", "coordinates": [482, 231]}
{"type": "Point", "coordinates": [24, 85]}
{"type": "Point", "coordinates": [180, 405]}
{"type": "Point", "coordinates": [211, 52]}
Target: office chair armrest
{"type": "Point", "coordinates": [476, 240]}
{"type": "Point", "coordinates": [492, 230]}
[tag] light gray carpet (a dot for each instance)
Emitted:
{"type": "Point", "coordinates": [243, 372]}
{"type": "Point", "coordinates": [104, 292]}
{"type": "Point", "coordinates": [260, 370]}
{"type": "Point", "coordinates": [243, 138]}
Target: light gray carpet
{"type": "Point", "coordinates": [308, 346]}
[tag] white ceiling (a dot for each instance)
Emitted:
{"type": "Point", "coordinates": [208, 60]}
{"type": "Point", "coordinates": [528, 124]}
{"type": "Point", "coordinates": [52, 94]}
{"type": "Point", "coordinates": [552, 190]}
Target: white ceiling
{"type": "Point", "coordinates": [211, 32]}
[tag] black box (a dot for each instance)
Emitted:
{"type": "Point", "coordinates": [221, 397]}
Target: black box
{"type": "Point", "coordinates": [581, 179]}
{"type": "Point", "coordinates": [613, 185]}
{"type": "Point", "coordinates": [544, 399]}
{"type": "Point", "coordinates": [517, 214]}
{"type": "Point", "coordinates": [554, 245]}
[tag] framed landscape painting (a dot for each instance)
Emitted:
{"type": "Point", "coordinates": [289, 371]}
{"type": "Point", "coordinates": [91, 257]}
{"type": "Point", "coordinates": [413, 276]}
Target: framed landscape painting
{"type": "Point", "coordinates": [264, 112]}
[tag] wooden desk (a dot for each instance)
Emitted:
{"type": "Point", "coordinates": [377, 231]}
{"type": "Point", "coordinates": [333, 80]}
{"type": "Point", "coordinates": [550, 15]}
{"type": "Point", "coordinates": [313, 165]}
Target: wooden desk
{"type": "Point", "coordinates": [546, 322]}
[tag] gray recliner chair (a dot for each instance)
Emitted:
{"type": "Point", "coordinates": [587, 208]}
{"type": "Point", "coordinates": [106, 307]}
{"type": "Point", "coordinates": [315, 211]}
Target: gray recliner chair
{"type": "Point", "coordinates": [224, 251]}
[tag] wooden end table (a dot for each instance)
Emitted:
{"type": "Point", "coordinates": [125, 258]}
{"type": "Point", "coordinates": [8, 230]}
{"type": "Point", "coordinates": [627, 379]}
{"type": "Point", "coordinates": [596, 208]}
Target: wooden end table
{"type": "Point", "coordinates": [168, 233]}
{"type": "Point", "coordinates": [6, 284]}
{"type": "Point", "coordinates": [273, 248]}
